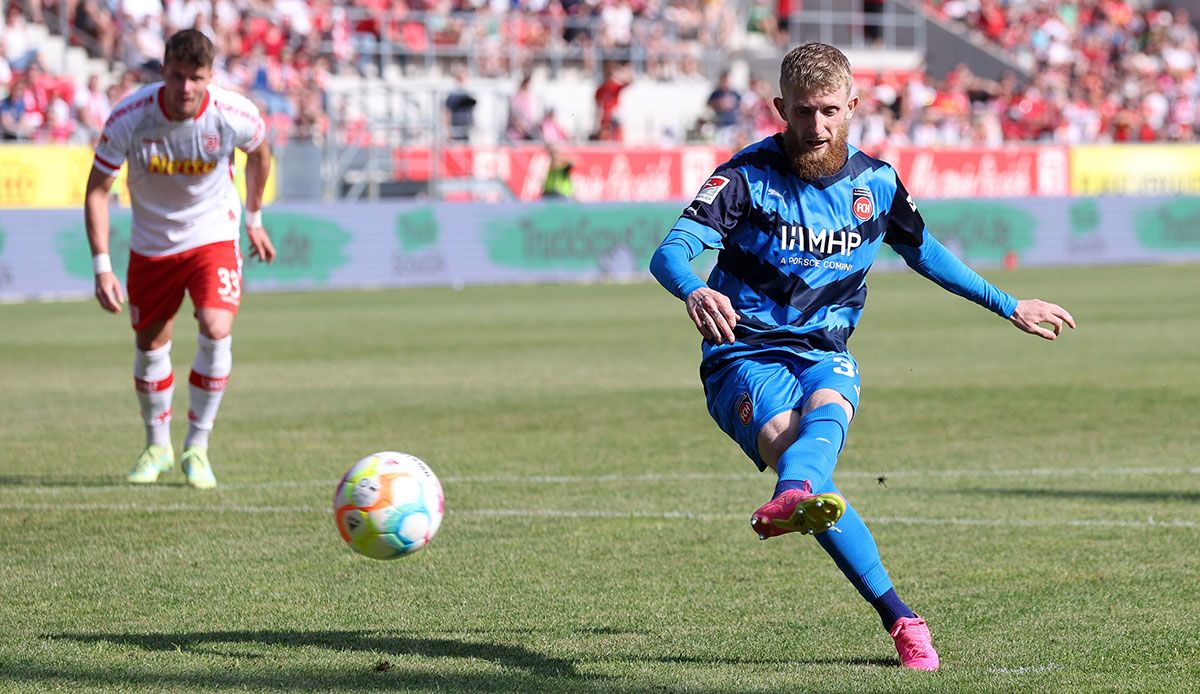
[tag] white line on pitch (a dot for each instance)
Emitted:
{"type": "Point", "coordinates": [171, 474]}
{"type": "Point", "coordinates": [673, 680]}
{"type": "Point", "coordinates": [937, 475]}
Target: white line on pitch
{"type": "Point", "coordinates": [606, 515]}
{"type": "Point", "coordinates": [651, 477]}
{"type": "Point", "coordinates": [1029, 669]}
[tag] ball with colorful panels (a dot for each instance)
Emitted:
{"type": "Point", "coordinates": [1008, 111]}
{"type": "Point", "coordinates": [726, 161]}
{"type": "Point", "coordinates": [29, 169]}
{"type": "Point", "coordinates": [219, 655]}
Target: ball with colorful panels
{"type": "Point", "coordinates": [388, 505]}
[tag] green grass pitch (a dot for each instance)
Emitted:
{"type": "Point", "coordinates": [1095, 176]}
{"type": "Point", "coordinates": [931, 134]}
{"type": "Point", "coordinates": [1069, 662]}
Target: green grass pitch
{"type": "Point", "coordinates": [1037, 502]}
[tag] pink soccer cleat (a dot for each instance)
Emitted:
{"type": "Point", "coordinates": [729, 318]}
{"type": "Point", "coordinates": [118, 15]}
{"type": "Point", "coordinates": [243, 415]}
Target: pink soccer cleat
{"type": "Point", "coordinates": [798, 510]}
{"type": "Point", "coordinates": [914, 644]}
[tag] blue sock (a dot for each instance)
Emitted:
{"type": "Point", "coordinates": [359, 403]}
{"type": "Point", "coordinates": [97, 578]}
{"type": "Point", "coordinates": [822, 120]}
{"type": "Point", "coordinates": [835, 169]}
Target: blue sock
{"type": "Point", "coordinates": [814, 453]}
{"type": "Point", "coordinates": [891, 608]}
{"type": "Point", "coordinates": [853, 549]}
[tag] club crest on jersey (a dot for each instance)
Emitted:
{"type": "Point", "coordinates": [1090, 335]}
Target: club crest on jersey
{"type": "Point", "coordinates": [864, 204]}
{"type": "Point", "coordinates": [211, 142]}
{"type": "Point", "coordinates": [745, 409]}
{"type": "Point", "coordinates": [708, 191]}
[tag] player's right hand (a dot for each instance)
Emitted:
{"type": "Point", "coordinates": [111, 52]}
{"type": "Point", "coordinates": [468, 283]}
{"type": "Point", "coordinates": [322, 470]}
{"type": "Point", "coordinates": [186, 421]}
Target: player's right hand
{"type": "Point", "coordinates": [109, 293]}
{"type": "Point", "coordinates": [713, 314]}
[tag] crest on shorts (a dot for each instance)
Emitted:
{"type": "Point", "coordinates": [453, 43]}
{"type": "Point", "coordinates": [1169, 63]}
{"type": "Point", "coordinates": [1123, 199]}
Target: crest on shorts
{"type": "Point", "coordinates": [745, 409]}
{"type": "Point", "coordinates": [864, 204]}
{"type": "Point", "coordinates": [211, 142]}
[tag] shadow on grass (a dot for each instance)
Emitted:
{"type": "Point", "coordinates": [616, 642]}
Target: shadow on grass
{"type": "Point", "coordinates": [63, 481]}
{"type": "Point", "coordinates": [696, 660]}
{"type": "Point", "coordinates": [519, 668]}
{"type": "Point", "coordinates": [1108, 495]}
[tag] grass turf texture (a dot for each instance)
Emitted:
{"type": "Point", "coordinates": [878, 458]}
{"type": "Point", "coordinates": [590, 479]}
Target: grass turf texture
{"type": "Point", "coordinates": [1038, 503]}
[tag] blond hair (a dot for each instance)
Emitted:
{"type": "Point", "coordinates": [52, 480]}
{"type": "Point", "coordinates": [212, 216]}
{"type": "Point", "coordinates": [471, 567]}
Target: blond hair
{"type": "Point", "coordinates": [817, 68]}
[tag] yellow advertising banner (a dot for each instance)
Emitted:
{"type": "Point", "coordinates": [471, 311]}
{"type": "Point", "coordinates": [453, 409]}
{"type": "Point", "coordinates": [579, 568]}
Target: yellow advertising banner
{"type": "Point", "coordinates": [54, 177]}
{"type": "Point", "coordinates": [1115, 170]}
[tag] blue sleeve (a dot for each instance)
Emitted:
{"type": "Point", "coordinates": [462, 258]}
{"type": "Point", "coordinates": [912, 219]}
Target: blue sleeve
{"type": "Point", "coordinates": [670, 263]}
{"type": "Point", "coordinates": [934, 262]}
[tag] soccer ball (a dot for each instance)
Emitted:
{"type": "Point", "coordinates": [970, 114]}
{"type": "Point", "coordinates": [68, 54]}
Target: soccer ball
{"type": "Point", "coordinates": [388, 505]}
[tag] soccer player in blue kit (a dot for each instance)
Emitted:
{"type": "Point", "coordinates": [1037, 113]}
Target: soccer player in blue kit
{"type": "Point", "coordinates": [798, 219]}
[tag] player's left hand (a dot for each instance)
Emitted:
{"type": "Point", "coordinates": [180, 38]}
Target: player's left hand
{"type": "Point", "coordinates": [1031, 313]}
{"type": "Point", "coordinates": [260, 244]}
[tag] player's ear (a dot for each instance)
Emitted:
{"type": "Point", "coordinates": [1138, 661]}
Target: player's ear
{"type": "Point", "coordinates": [850, 106]}
{"type": "Point", "coordinates": [778, 101]}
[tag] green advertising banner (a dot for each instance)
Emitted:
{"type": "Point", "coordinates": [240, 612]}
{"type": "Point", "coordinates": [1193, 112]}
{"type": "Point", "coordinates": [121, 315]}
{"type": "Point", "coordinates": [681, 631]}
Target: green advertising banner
{"type": "Point", "coordinates": [44, 253]}
{"type": "Point", "coordinates": [417, 231]}
{"type": "Point", "coordinates": [75, 254]}
{"type": "Point", "coordinates": [568, 236]}
{"type": "Point", "coordinates": [981, 231]}
{"type": "Point", "coordinates": [1172, 227]}
{"type": "Point", "coordinates": [308, 249]}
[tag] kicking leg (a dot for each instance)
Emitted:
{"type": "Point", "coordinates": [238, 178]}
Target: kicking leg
{"type": "Point", "coordinates": [802, 447]}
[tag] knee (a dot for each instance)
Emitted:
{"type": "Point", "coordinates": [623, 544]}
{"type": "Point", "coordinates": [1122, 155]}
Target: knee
{"type": "Point", "coordinates": [215, 325]}
{"type": "Point", "coordinates": [828, 396]}
{"type": "Point", "coordinates": [215, 333]}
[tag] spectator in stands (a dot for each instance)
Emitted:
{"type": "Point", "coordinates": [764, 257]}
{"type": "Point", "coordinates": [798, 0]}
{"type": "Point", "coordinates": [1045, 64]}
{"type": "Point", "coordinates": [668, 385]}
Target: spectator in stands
{"type": "Point", "coordinates": [617, 77]}
{"type": "Point", "coordinates": [6, 75]}
{"type": "Point", "coordinates": [553, 132]}
{"type": "Point", "coordinates": [522, 112]}
{"type": "Point", "coordinates": [14, 124]}
{"type": "Point", "coordinates": [91, 109]}
{"type": "Point", "coordinates": [616, 25]}
{"type": "Point", "coordinates": [558, 183]}
{"type": "Point", "coordinates": [97, 28]}
{"type": "Point", "coordinates": [310, 123]}
{"type": "Point", "coordinates": [460, 107]}
{"type": "Point", "coordinates": [18, 48]}
{"type": "Point", "coordinates": [760, 112]}
{"type": "Point", "coordinates": [146, 48]}
{"type": "Point", "coordinates": [761, 21]}
{"type": "Point", "coordinates": [726, 104]}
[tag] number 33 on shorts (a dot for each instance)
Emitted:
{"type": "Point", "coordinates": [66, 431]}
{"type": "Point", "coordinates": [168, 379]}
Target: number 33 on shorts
{"type": "Point", "coordinates": [230, 287]}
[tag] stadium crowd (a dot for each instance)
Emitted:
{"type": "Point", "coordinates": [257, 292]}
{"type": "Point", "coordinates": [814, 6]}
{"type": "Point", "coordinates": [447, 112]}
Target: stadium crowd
{"type": "Point", "coordinates": [1101, 70]}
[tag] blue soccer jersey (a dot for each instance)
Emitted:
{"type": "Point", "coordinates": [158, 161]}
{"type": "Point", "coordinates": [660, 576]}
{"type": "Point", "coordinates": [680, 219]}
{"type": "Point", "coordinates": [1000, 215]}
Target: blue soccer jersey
{"type": "Point", "coordinates": [794, 254]}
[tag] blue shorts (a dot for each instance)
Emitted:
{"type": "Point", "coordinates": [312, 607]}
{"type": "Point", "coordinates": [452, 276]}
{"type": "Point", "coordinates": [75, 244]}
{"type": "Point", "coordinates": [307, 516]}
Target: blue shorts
{"type": "Point", "coordinates": [745, 395]}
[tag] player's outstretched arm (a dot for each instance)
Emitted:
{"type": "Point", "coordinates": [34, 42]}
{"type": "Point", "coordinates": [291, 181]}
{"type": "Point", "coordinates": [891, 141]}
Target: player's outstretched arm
{"type": "Point", "coordinates": [109, 294]}
{"type": "Point", "coordinates": [258, 168]}
{"type": "Point", "coordinates": [1030, 314]}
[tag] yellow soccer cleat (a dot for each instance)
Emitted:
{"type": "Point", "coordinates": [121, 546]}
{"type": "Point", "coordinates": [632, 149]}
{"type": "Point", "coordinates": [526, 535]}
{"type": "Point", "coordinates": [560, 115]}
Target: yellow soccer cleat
{"type": "Point", "coordinates": [153, 461]}
{"type": "Point", "coordinates": [197, 468]}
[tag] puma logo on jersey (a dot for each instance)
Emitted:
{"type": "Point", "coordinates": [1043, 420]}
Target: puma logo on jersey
{"type": "Point", "coordinates": [824, 242]}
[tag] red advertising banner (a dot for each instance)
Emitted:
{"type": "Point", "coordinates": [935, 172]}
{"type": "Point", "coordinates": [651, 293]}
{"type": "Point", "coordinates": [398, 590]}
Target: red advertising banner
{"type": "Point", "coordinates": [983, 172]}
{"type": "Point", "coordinates": [606, 173]}
{"type": "Point", "coordinates": [600, 173]}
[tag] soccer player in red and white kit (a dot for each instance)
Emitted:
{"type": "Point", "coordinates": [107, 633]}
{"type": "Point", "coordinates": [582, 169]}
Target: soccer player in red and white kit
{"type": "Point", "coordinates": [178, 137]}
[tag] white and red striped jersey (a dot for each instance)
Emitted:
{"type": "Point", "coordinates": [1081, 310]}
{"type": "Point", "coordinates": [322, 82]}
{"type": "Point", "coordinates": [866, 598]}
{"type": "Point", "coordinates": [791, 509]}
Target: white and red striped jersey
{"type": "Point", "coordinates": [180, 172]}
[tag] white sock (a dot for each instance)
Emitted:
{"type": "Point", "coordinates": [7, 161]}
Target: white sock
{"type": "Point", "coordinates": [155, 384]}
{"type": "Point", "coordinates": [206, 386]}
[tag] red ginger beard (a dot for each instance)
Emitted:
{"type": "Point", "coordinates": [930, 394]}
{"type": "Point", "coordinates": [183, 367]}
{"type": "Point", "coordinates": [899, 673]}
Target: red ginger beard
{"type": "Point", "coordinates": [810, 165]}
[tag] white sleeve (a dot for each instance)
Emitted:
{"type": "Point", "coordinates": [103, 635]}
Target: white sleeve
{"type": "Point", "coordinates": [113, 147]}
{"type": "Point", "coordinates": [242, 115]}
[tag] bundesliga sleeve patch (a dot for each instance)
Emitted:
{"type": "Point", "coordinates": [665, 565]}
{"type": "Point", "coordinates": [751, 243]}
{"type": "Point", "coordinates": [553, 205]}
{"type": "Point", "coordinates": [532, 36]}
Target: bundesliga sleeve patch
{"type": "Point", "coordinates": [864, 204]}
{"type": "Point", "coordinates": [708, 191]}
